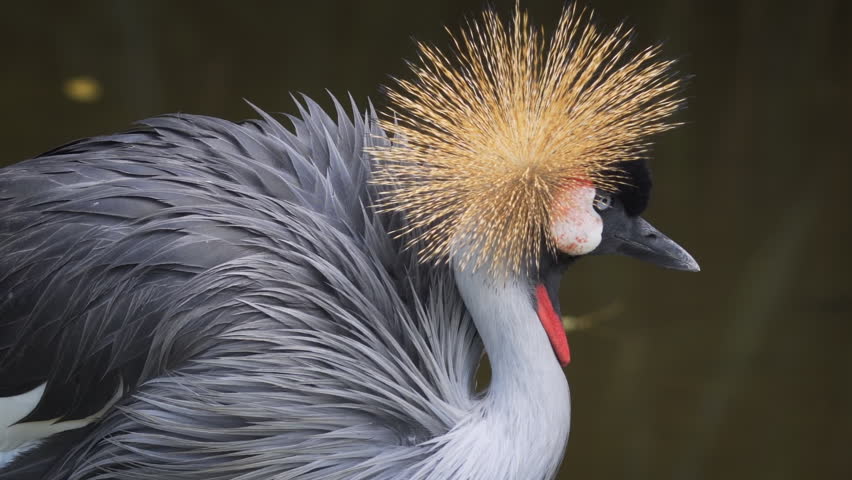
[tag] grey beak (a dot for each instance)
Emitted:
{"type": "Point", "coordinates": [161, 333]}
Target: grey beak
{"type": "Point", "coordinates": [644, 242]}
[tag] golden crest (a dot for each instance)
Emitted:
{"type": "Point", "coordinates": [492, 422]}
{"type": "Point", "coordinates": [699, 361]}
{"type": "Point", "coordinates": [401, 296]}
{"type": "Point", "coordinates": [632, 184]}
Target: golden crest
{"type": "Point", "coordinates": [487, 133]}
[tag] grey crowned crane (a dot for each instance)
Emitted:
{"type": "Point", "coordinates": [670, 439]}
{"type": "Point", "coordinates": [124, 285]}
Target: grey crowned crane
{"type": "Point", "coordinates": [201, 299]}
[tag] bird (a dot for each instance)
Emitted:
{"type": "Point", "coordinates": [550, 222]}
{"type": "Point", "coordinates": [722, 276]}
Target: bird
{"type": "Point", "coordinates": [196, 298]}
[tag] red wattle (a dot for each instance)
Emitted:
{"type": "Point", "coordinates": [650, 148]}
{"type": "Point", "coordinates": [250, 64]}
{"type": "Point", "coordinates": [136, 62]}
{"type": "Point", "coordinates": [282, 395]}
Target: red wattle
{"type": "Point", "coordinates": [552, 326]}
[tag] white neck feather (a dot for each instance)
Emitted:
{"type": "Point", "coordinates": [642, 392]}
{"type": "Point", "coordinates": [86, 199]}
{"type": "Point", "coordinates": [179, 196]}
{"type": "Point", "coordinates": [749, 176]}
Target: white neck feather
{"type": "Point", "coordinates": [520, 428]}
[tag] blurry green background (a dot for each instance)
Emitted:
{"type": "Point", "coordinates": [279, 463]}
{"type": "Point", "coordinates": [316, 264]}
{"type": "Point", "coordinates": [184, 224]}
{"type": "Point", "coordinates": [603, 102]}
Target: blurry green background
{"type": "Point", "coordinates": [742, 371]}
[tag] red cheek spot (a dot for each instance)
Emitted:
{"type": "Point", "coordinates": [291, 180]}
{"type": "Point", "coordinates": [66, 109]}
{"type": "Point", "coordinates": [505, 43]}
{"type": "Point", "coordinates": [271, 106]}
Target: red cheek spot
{"type": "Point", "coordinates": [581, 182]}
{"type": "Point", "coordinates": [573, 219]}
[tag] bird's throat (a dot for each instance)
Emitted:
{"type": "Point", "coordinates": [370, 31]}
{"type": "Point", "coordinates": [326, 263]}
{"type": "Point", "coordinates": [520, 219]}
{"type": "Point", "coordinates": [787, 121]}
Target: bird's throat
{"type": "Point", "coordinates": [552, 324]}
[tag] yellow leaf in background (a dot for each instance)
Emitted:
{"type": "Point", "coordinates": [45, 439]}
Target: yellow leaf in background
{"type": "Point", "coordinates": [572, 323]}
{"type": "Point", "coordinates": [83, 89]}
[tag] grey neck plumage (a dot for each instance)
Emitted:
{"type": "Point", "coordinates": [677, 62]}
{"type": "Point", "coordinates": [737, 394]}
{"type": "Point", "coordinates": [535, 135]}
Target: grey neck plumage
{"type": "Point", "coordinates": [520, 427]}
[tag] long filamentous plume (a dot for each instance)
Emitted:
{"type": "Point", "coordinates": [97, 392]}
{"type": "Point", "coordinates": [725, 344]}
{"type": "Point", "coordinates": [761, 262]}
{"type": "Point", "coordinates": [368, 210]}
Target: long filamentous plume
{"type": "Point", "coordinates": [487, 132]}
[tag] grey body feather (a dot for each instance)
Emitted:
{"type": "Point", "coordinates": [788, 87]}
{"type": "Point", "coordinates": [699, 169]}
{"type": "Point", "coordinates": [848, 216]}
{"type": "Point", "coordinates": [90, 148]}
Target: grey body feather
{"type": "Point", "coordinates": [234, 282]}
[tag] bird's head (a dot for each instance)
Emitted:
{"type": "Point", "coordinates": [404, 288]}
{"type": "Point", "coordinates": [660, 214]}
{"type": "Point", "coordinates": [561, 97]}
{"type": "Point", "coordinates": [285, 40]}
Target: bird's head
{"type": "Point", "coordinates": [515, 153]}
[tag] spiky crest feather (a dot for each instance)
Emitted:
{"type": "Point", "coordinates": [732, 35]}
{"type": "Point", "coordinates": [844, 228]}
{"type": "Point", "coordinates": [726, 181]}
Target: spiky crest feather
{"type": "Point", "coordinates": [488, 132]}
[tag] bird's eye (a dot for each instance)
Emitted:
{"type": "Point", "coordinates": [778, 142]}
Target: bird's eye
{"type": "Point", "coordinates": [602, 201]}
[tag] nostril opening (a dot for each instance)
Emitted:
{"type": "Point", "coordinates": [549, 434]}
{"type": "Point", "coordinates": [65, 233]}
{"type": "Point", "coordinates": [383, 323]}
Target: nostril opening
{"type": "Point", "coordinates": [652, 236]}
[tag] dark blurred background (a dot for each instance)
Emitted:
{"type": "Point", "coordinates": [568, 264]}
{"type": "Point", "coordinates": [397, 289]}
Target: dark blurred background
{"type": "Point", "coordinates": [742, 371]}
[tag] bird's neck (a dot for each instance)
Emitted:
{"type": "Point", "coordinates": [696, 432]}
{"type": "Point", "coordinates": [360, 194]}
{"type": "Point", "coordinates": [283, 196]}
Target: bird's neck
{"type": "Point", "coordinates": [525, 414]}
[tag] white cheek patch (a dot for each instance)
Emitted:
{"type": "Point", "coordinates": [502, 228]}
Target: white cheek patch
{"type": "Point", "coordinates": [575, 225]}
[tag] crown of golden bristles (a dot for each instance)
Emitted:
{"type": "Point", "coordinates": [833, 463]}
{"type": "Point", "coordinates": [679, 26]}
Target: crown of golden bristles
{"type": "Point", "coordinates": [486, 134]}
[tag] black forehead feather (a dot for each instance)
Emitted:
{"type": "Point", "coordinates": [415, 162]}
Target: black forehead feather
{"type": "Point", "coordinates": [636, 190]}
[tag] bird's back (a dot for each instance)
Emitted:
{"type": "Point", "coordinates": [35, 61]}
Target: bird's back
{"type": "Point", "coordinates": [227, 299]}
